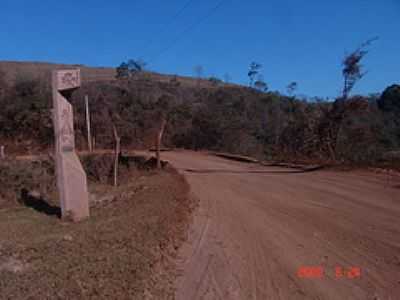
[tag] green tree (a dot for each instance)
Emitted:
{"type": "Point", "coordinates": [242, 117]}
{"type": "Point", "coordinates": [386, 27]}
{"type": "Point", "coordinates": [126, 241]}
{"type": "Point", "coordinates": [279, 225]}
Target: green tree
{"type": "Point", "coordinates": [122, 71]}
{"type": "Point", "coordinates": [291, 88]}
{"type": "Point", "coordinates": [130, 68]}
{"type": "Point", "coordinates": [136, 66]}
{"type": "Point", "coordinates": [215, 81]}
{"type": "Point", "coordinates": [3, 83]}
{"type": "Point", "coordinates": [390, 99]}
{"type": "Point", "coordinates": [389, 104]}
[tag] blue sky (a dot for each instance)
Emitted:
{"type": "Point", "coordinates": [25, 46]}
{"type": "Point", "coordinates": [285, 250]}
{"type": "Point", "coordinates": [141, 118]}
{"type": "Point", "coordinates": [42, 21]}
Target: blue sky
{"type": "Point", "coordinates": [302, 41]}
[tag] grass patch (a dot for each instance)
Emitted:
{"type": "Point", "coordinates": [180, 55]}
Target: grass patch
{"type": "Point", "coordinates": [124, 251]}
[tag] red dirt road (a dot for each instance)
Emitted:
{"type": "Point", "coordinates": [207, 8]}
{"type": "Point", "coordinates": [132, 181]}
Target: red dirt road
{"type": "Point", "coordinates": [257, 226]}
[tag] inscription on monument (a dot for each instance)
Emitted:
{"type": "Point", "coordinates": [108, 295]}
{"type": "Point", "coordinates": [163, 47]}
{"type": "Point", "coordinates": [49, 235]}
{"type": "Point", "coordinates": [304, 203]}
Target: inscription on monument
{"type": "Point", "coordinates": [67, 140]}
{"type": "Point", "coordinates": [69, 79]}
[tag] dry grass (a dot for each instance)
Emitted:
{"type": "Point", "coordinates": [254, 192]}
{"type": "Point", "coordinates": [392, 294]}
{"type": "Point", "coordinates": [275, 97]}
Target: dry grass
{"type": "Point", "coordinates": [43, 70]}
{"type": "Point", "coordinates": [124, 251]}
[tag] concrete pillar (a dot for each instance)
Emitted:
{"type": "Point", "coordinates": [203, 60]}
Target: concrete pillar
{"type": "Point", "coordinates": [71, 178]}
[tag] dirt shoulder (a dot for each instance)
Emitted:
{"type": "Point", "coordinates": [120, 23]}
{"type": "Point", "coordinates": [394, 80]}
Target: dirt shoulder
{"type": "Point", "coordinates": [125, 250]}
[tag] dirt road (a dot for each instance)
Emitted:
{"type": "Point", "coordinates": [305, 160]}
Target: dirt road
{"type": "Point", "coordinates": [256, 227]}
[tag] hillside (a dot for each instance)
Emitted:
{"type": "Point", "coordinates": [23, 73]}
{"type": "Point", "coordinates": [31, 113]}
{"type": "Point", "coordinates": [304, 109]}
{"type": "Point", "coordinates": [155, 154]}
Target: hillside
{"type": "Point", "coordinates": [13, 69]}
{"type": "Point", "coordinates": [201, 114]}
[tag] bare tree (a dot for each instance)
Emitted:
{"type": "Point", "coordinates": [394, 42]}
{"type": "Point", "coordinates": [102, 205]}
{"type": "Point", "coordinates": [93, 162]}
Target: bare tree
{"type": "Point", "coordinates": [199, 73]}
{"type": "Point", "coordinates": [227, 78]}
{"type": "Point", "coordinates": [260, 84]}
{"type": "Point", "coordinates": [254, 71]}
{"type": "Point", "coordinates": [352, 73]}
{"type": "Point", "coordinates": [352, 69]}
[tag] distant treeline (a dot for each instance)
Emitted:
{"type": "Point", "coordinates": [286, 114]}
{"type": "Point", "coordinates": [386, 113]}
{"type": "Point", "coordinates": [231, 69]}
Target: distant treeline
{"type": "Point", "coordinates": [243, 120]}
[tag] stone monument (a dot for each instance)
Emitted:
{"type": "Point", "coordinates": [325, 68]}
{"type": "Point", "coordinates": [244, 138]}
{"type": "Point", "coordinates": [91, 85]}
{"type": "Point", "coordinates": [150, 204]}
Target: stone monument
{"type": "Point", "coordinates": [71, 178]}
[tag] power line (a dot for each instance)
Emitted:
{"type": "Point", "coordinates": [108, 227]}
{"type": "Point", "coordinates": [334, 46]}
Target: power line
{"type": "Point", "coordinates": [168, 24]}
{"type": "Point", "coordinates": [188, 29]}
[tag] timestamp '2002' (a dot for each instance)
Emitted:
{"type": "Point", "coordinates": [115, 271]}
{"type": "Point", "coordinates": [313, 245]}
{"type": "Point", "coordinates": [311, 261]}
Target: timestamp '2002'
{"type": "Point", "coordinates": [318, 272]}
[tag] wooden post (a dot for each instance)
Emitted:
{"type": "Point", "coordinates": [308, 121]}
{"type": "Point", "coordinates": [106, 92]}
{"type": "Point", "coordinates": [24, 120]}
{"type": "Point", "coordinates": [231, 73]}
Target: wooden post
{"type": "Point", "coordinates": [158, 142]}
{"type": "Point", "coordinates": [117, 152]}
{"type": "Point", "coordinates": [2, 154]}
{"type": "Point", "coordinates": [89, 135]}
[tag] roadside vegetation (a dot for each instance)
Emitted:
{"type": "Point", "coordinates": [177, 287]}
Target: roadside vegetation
{"type": "Point", "coordinates": [242, 120]}
{"type": "Point", "coordinates": [214, 115]}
